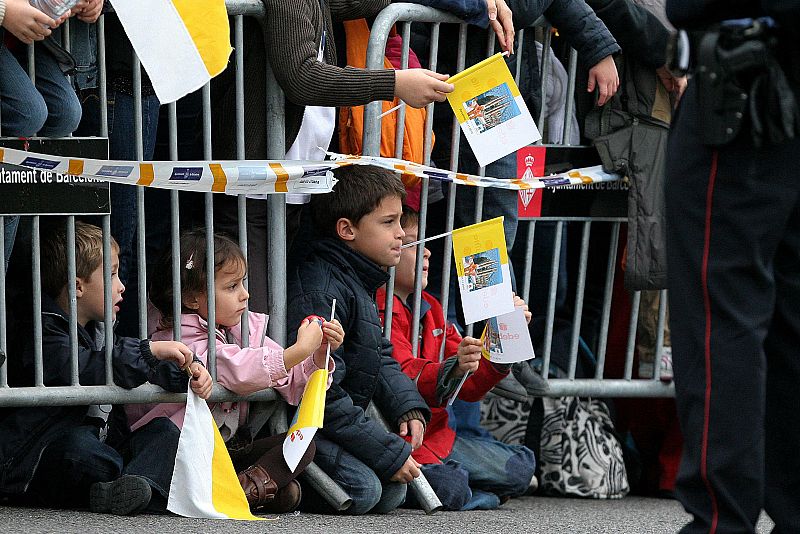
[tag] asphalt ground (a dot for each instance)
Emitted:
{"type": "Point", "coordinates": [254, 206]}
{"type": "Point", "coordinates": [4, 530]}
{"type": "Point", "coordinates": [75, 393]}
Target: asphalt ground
{"type": "Point", "coordinates": [524, 515]}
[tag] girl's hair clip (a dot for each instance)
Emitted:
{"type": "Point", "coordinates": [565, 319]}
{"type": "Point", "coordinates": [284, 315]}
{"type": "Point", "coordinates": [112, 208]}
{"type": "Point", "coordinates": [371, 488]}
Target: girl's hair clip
{"type": "Point", "coordinates": [190, 262]}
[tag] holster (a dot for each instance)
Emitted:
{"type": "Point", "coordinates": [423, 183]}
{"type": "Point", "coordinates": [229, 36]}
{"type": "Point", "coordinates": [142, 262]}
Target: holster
{"type": "Point", "coordinates": [739, 81]}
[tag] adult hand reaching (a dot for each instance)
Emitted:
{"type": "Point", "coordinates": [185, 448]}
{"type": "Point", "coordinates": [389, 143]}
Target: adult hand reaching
{"type": "Point", "coordinates": [605, 78]}
{"type": "Point", "coordinates": [501, 21]}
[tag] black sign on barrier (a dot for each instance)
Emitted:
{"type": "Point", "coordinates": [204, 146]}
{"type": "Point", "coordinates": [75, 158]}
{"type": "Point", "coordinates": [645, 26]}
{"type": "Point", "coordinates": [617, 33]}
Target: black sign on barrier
{"type": "Point", "coordinates": [26, 191]}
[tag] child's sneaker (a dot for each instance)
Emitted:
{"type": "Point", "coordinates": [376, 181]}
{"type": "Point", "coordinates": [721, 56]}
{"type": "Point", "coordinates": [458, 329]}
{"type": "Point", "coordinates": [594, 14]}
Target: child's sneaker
{"type": "Point", "coordinates": [125, 496]}
{"type": "Point", "coordinates": [665, 373]}
{"type": "Point", "coordinates": [666, 364]}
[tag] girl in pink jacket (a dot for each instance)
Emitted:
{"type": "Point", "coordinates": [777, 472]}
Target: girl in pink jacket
{"type": "Point", "coordinates": [242, 367]}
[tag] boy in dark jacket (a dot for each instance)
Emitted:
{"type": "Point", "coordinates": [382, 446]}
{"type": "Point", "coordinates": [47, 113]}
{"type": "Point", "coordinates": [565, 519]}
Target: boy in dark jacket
{"type": "Point", "coordinates": [465, 472]}
{"type": "Point", "coordinates": [360, 225]}
{"type": "Point", "coordinates": [59, 456]}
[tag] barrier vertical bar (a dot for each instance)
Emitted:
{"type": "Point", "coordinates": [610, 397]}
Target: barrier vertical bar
{"type": "Point", "coordinates": [102, 75]}
{"type": "Point", "coordinates": [210, 252]}
{"type": "Point", "coordinates": [141, 248]}
{"type": "Point", "coordinates": [241, 200]}
{"type": "Point", "coordinates": [551, 299]}
{"type": "Point", "coordinates": [433, 62]}
{"type": "Point", "coordinates": [544, 73]}
{"type": "Point", "coordinates": [174, 210]}
{"type": "Point", "coordinates": [520, 40]}
{"type": "Point", "coordinates": [636, 300]}
{"type": "Point", "coordinates": [106, 221]}
{"type": "Point", "coordinates": [108, 321]}
{"type": "Point", "coordinates": [455, 140]}
{"type": "Point", "coordinates": [401, 112]}
{"type": "Point", "coordinates": [36, 260]}
{"type": "Point", "coordinates": [570, 104]}
{"type": "Point", "coordinates": [579, 294]}
{"type": "Point", "coordinates": [662, 316]}
{"type": "Point", "coordinates": [276, 149]}
{"type": "Point", "coordinates": [73, 302]}
{"type": "Point", "coordinates": [479, 193]}
{"type": "Point", "coordinates": [607, 293]}
{"type": "Point", "coordinates": [528, 271]}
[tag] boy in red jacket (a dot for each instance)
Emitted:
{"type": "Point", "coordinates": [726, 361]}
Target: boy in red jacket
{"type": "Point", "coordinates": [466, 473]}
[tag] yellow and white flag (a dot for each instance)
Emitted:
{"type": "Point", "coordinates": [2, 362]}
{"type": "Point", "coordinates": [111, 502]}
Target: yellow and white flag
{"type": "Point", "coordinates": [484, 277]}
{"type": "Point", "coordinates": [204, 483]}
{"type": "Point", "coordinates": [182, 44]}
{"type": "Point", "coordinates": [308, 418]}
{"type": "Point", "coordinates": [491, 110]}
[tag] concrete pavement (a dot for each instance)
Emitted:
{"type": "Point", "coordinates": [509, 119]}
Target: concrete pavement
{"type": "Point", "coordinates": [524, 515]}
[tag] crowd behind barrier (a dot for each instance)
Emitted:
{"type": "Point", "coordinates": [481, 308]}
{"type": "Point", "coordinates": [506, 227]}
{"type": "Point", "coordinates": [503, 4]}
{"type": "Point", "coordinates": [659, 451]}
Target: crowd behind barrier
{"type": "Point", "coordinates": [572, 282]}
{"type": "Point", "coordinates": [621, 386]}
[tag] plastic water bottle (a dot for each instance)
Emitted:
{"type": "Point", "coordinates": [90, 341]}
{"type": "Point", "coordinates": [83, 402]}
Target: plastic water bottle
{"type": "Point", "coordinates": [53, 8]}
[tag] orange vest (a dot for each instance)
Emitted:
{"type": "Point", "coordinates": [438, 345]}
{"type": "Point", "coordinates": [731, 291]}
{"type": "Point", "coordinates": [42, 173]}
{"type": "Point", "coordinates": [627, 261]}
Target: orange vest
{"type": "Point", "coordinates": [351, 119]}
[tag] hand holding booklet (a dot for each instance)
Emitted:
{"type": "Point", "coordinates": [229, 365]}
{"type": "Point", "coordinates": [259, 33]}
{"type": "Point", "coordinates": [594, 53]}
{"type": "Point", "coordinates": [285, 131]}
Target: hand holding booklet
{"type": "Point", "coordinates": [491, 110]}
{"type": "Point", "coordinates": [506, 338]}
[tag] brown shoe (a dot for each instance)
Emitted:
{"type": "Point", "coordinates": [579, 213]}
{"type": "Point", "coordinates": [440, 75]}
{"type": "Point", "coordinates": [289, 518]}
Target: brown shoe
{"type": "Point", "coordinates": [258, 486]}
{"type": "Point", "coordinates": [287, 499]}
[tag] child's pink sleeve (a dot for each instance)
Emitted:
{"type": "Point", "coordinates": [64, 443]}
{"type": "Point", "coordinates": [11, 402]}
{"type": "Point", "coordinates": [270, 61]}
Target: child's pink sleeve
{"type": "Point", "coordinates": [245, 371]}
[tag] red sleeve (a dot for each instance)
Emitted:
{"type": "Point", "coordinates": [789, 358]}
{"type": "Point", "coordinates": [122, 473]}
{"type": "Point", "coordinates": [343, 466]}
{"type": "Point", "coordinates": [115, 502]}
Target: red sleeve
{"type": "Point", "coordinates": [485, 378]}
{"type": "Point", "coordinates": [451, 341]}
{"type": "Point", "coordinates": [424, 372]}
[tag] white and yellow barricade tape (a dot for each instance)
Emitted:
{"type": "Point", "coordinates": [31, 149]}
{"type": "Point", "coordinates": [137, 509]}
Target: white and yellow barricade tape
{"type": "Point", "coordinates": [271, 176]}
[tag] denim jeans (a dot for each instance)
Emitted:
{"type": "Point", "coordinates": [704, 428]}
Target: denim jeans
{"type": "Point", "coordinates": [465, 419]}
{"type": "Point", "coordinates": [50, 108]}
{"type": "Point", "coordinates": [369, 494]}
{"type": "Point", "coordinates": [76, 459]}
{"type": "Point", "coordinates": [122, 146]}
{"type": "Point", "coordinates": [477, 473]}
{"type": "Point", "coordinates": [83, 47]}
{"type": "Point", "coordinates": [10, 224]}
{"type": "Point", "coordinates": [495, 466]}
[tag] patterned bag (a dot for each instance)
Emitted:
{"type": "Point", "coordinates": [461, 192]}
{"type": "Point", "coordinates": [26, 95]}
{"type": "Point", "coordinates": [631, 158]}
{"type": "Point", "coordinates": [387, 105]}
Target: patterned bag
{"type": "Point", "coordinates": [505, 419]}
{"type": "Point", "coordinates": [579, 454]}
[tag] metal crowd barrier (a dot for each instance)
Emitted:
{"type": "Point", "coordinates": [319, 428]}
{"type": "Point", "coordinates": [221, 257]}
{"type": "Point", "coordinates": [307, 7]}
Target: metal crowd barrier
{"type": "Point", "coordinates": [598, 386]}
{"type": "Point", "coordinates": [76, 394]}
{"type": "Point", "coordinates": [273, 413]}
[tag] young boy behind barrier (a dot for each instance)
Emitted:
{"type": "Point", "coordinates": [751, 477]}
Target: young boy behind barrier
{"type": "Point", "coordinates": [361, 235]}
{"type": "Point", "coordinates": [465, 472]}
{"type": "Point", "coordinates": [58, 456]}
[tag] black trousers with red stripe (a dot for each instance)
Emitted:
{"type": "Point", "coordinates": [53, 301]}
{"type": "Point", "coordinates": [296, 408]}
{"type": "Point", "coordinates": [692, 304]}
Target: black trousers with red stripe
{"type": "Point", "coordinates": [734, 294]}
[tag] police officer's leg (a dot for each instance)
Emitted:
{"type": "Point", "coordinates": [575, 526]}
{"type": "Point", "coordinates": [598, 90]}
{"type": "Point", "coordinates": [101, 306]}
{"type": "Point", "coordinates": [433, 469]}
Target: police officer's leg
{"type": "Point", "coordinates": [783, 376]}
{"type": "Point", "coordinates": [724, 226]}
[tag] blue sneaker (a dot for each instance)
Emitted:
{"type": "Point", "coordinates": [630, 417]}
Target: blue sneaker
{"type": "Point", "coordinates": [482, 500]}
